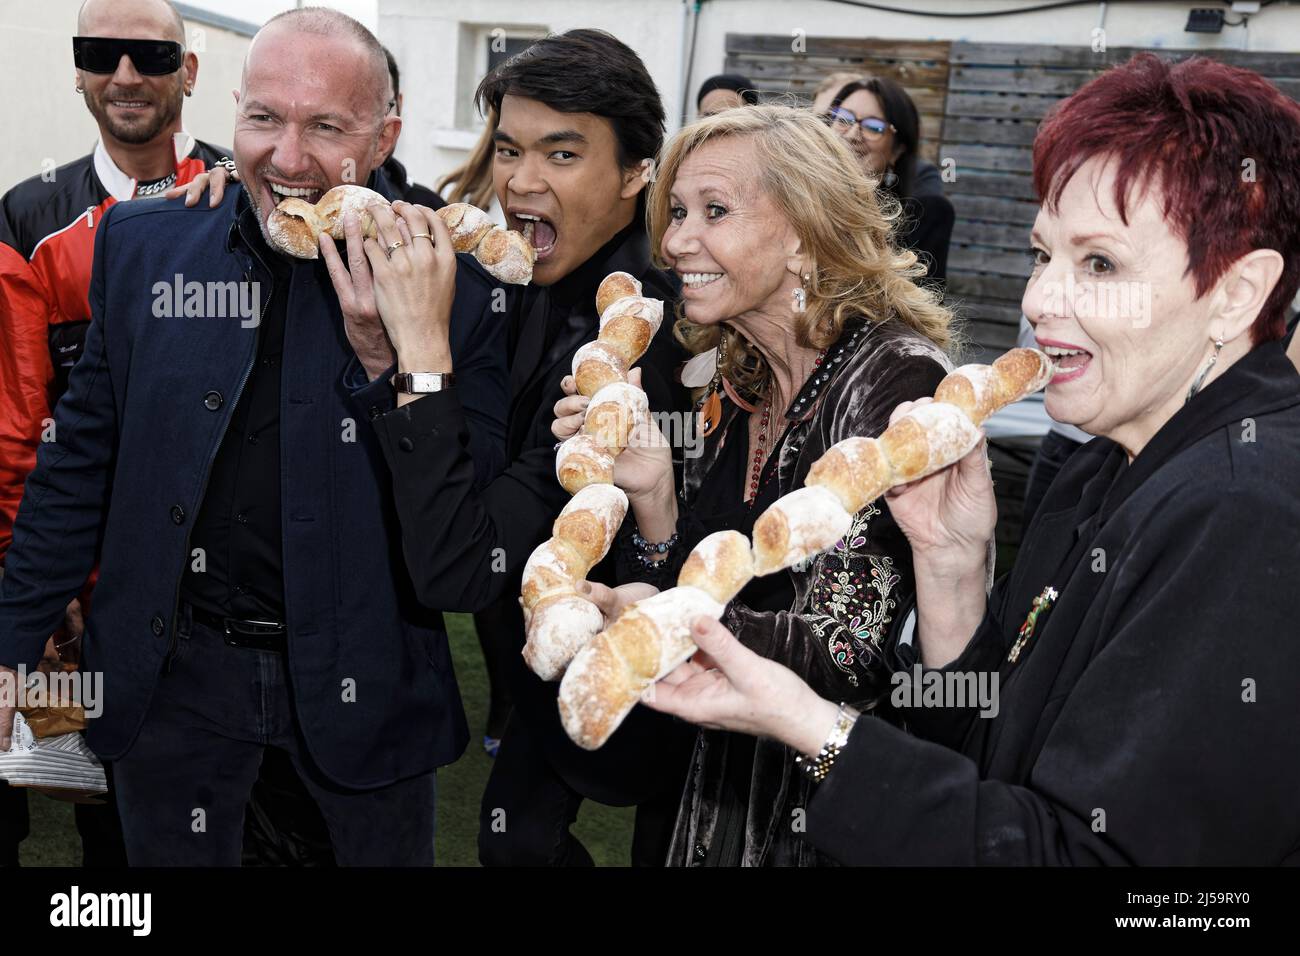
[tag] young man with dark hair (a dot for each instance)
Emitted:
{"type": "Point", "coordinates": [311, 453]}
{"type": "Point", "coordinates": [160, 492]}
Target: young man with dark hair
{"type": "Point", "coordinates": [580, 124]}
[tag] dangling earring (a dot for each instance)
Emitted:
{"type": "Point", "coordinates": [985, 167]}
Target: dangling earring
{"type": "Point", "coordinates": [800, 297]}
{"type": "Point", "coordinates": [889, 178]}
{"type": "Point", "coordinates": [188, 91]}
{"type": "Point", "coordinates": [1200, 379]}
{"type": "Point", "coordinates": [79, 90]}
{"type": "Point", "coordinates": [711, 405]}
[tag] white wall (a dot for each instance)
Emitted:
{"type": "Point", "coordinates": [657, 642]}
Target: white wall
{"type": "Point", "coordinates": [426, 36]}
{"type": "Point", "coordinates": [43, 116]}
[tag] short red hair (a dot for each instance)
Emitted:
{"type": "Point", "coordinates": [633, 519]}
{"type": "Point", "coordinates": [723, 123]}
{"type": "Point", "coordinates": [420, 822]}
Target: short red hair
{"type": "Point", "coordinates": [1188, 128]}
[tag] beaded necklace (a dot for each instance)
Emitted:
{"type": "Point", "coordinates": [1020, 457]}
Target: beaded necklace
{"type": "Point", "coordinates": [762, 452]}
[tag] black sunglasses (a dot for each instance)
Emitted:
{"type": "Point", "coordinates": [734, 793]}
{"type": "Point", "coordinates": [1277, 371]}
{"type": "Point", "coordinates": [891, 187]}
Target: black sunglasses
{"type": "Point", "coordinates": [149, 57]}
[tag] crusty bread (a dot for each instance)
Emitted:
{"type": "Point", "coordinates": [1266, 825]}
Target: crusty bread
{"type": "Point", "coordinates": [612, 414]}
{"type": "Point", "coordinates": [467, 225]}
{"type": "Point", "coordinates": [629, 324]}
{"type": "Point", "coordinates": [797, 526]}
{"type": "Point", "coordinates": [615, 286]}
{"type": "Point", "coordinates": [591, 519]}
{"type": "Point", "coordinates": [294, 227]}
{"type": "Point", "coordinates": [560, 621]}
{"type": "Point", "coordinates": [580, 461]}
{"type": "Point", "coordinates": [856, 469]}
{"type": "Point", "coordinates": [926, 439]}
{"type": "Point", "coordinates": [507, 255]}
{"type": "Point", "coordinates": [560, 626]}
{"type": "Point", "coordinates": [720, 565]}
{"type": "Point", "coordinates": [596, 365]}
{"type": "Point", "coordinates": [606, 678]}
{"type": "Point", "coordinates": [333, 207]}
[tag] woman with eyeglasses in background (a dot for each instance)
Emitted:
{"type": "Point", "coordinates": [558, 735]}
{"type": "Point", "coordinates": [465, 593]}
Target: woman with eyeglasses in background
{"type": "Point", "coordinates": [880, 123]}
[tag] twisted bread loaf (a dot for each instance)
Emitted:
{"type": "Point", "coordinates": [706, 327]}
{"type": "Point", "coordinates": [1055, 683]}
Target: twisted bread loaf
{"type": "Point", "coordinates": [652, 636]}
{"type": "Point", "coordinates": [628, 321]}
{"type": "Point", "coordinates": [559, 621]}
{"type": "Point", "coordinates": [295, 226]}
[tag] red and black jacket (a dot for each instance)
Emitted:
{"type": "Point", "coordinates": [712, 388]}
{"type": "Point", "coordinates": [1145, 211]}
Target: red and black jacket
{"type": "Point", "coordinates": [47, 243]}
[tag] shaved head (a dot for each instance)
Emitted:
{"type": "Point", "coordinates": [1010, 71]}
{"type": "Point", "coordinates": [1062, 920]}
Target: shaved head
{"type": "Point", "coordinates": [324, 22]}
{"type": "Point", "coordinates": [137, 19]}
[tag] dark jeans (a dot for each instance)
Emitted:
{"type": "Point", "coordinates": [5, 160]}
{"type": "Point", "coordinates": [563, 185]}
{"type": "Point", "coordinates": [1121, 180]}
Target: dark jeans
{"type": "Point", "coordinates": [183, 786]}
{"type": "Point", "coordinates": [527, 810]}
{"type": "Point", "coordinates": [1053, 452]}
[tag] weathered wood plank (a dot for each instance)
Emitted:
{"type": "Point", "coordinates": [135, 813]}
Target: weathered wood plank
{"type": "Point", "coordinates": [980, 183]}
{"type": "Point", "coordinates": [994, 208]}
{"type": "Point", "coordinates": [1001, 159]}
{"type": "Point", "coordinates": [848, 47]}
{"type": "Point", "coordinates": [992, 333]}
{"type": "Point", "coordinates": [1017, 79]}
{"type": "Point", "coordinates": [989, 132]}
{"type": "Point", "coordinates": [968, 285]}
{"type": "Point", "coordinates": [999, 105]}
{"type": "Point", "coordinates": [990, 312]}
{"type": "Point", "coordinates": [978, 259]}
{"type": "Point", "coordinates": [1006, 236]}
{"type": "Point", "coordinates": [791, 68]}
{"type": "Point", "coordinates": [1083, 57]}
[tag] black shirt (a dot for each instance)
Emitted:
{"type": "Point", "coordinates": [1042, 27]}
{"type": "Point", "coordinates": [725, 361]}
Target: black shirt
{"type": "Point", "coordinates": [721, 506]}
{"type": "Point", "coordinates": [238, 525]}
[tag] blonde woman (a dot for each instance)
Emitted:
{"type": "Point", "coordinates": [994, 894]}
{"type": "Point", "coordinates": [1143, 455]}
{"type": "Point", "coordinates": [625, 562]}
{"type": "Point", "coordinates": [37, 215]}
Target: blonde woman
{"type": "Point", "coordinates": [790, 280]}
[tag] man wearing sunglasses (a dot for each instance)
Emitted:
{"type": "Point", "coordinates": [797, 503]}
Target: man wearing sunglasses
{"type": "Point", "coordinates": [133, 73]}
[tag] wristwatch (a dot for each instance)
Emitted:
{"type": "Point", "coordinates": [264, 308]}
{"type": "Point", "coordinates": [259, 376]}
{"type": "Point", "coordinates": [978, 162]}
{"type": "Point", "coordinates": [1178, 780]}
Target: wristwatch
{"type": "Point", "coordinates": [422, 383]}
{"type": "Point", "coordinates": [817, 766]}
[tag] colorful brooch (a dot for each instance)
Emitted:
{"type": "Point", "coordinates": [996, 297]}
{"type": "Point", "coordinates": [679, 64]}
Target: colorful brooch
{"type": "Point", "coordinates": [1041, 605]}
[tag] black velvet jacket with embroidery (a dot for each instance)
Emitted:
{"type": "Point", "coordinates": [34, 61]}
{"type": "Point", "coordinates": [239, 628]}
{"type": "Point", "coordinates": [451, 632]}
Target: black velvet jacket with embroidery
{"type": "Point", "coordinates": [845, 598]}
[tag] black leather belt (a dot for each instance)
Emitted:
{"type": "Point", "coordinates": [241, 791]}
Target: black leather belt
{"type": "Point", "coordinates": [239, 632]}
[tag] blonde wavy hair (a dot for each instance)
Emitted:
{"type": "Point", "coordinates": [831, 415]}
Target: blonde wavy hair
{"type": "Point", "coordinates": [813, 178]}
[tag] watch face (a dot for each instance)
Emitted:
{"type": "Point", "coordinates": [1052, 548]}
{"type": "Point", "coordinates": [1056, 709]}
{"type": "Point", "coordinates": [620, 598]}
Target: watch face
{"type": "Point", "coordinates": [422, 383]}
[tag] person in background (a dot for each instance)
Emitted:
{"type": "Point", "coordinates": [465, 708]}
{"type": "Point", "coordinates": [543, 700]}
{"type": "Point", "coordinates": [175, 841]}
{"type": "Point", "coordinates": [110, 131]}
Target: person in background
{"type": "Point", "coordinates": [1060, 442]}
{"type": "Point", "coordinates": [133, 74]}
{"type": "Point", "coordinates": [471, 181]}
{"type": "Point", "coordinates": [879, 121]}
{"type": "Point", "coordinates": [723, 92]}
{"type": "Point", "coordinates": [393, 170]}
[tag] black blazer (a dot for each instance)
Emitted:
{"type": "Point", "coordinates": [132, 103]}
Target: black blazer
{"type": "Point", "coordinates": [465, 548]}
{"type": "Point", "coordinates": [1152, 717]}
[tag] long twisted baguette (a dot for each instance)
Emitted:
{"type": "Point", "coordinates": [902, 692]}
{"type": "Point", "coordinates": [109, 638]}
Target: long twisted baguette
{"type": "Point", "coordinates": [559, 621]}
{"type": "Point", "coordinates": [295, 226]}
{"type": "Point", "coordinates": [652, 636]}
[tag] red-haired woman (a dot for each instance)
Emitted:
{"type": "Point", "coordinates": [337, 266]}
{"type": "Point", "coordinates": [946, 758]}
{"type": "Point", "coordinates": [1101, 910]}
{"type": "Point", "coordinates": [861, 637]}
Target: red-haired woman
{"type": "Point", "coordinates": [1131, 685]}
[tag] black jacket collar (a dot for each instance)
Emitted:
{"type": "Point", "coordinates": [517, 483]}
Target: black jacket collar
{"type": "Point", "coordinates": [628, 251]}
{"type": "Point", "coordinates": [1263, 381]}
